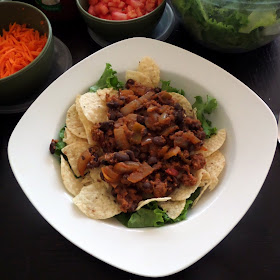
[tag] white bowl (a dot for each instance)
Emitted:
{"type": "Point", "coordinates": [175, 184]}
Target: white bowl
{"type": "Point", "coordinates": [155, 252]}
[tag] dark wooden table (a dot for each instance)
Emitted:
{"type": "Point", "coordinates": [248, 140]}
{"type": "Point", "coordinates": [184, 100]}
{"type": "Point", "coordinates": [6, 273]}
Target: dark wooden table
{"type": "Point", "coordinates": [32, 249]}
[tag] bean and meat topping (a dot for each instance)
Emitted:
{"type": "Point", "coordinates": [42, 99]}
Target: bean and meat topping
{"type": "Point", "coordinates": [146, 149]}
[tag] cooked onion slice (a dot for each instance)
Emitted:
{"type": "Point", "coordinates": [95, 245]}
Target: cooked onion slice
{"type": "Point", "coordinates": [143, 171]}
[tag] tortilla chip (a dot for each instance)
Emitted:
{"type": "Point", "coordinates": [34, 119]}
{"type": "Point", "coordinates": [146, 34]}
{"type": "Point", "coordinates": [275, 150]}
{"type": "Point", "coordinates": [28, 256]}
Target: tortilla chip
{"type": "Point", "coordinates": [148, 67]}
{"type": "Point", "coordinates": [95, 175]}
{"type": "Point", "coordinates": [94, 109]}
{"type": "Point", "coordinates": [173, 208]}
{"type": "Point", "coordinates": [86, 180]}
{"type": "Point", "coordinates": [184, 192]}
{"type": "Point", "coordinates": [204, 184]}
{"type": "Point", "coordinates": [97, 202]}
{"type": "Point", "coordinates": [139, 77]}
{"type": "Point", "coordinates": [147, 201]}
{"type": "Point", "coordinates": [73, 152]}
{"type": "Point", "coordinates": [72, 184]}
{"type": "Point", "coordinates": [214, 143]}
{"type": "Point", "coordinates": [86, 123]}
{"type": "Point", "coordinates": [70, 138]}
{"type": "Point", "coordinates": [215, 163]}
{"type": "Point", "coordinates": [74, 123]}
{"type": "Point", "coordinates": [183, 101]}
{"type": "Point", "coordinates": [102, 93]}
{"type": "Point", "coordinates": [214, 183]}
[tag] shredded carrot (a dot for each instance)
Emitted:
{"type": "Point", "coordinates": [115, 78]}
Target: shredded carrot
{"type": "Point", "coordinates": [19, 46]}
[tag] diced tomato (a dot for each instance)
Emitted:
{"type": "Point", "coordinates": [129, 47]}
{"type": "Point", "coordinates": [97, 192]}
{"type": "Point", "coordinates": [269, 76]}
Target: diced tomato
{"type": "Point", "coordinates": [121, 5]}
{"type": "Point", "coordinates": [113, 9]}
{"type": "Point", "coordinates": [91, 10]}
{"type": "Point", "coordinates": [132, 14]}
{"type": "Point", "coordinates": [135, 3]}
{"type": "Point", "coordinates": [121, 9]}
{"type": "Point", "coordinates": [119, 16]}
{"type": "Point", "coordinates": [101, 9]}
{"type": "Point", "coordinates": [138, 12]}
{"type": "Point", "coordinates": [150, 5]}
{"type": "Point", "coordinates": [172, 171]}
{"type": "Point", "coordinates": [93, 2]}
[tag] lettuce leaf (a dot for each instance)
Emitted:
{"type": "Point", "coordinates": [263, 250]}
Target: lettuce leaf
{"type": "Point", "coordinates": [151, 215]}
{"type": "Point", "coordinates": [205, 108]}
{"type": "Point", "coordinates": [60, 144]}
{"type": "Point", "coordinates": [107, 80]}
{"type": "Point", "coordinates": [165, 85]}
{"type": "Point", "coordinates": [229, 24]}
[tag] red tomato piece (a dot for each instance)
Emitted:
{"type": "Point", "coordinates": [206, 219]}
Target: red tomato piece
{"type": "Point", "coordinates": [119, 16]}
{"type": "Point", "coordinates": [135, 3]}
{"type": "Point", "coordinates": [91, 10]}
{"type": "Point", "coordinates": [121, 5]}
{"type": "Point", "coordinates": [172, 171]}
{"type": "Point", "coordinates": [101, 9]}
{"type": "Point", "coordinates": [138, 12]}
{"type": "Point", "coordinates": [113, 9]}
{"type": "Point", "coordinates": [132, 14]}
{"type": "Point", "coordinates": [93, 2]}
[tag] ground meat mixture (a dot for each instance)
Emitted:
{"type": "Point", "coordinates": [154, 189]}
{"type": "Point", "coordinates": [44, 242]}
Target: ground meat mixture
{"type": "Point", "coordinates": [146, 146]}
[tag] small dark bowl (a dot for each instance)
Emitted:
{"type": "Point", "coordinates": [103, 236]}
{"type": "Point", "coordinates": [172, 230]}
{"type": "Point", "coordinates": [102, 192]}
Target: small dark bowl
{"type": "Point", "coordinates": [20, 85]}
{"type": "Point", "coordinates": [115, 30]}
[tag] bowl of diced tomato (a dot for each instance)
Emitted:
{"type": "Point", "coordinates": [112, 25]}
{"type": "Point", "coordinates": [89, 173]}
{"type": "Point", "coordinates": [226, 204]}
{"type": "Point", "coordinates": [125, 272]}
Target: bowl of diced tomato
{"type": "Point", "coordinates": [119, 19]}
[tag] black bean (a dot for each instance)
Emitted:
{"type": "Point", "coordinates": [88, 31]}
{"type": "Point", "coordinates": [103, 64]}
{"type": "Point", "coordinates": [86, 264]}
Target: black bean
{"type": "Point", "coordinates": [102, 176]}
{"type": "Point", "coordinates": [152, 160]}
{"type": "Point", "coordinates": [129, 83]}
{"type": "Point", "coordinates": [143, 156]}
{"type": "Point", "coordinates": [177, 106]}
{"type": "Point", "coordinates": [121, 156]}
{"type": "Point", "coordinates": [104, 126]}
{"type": "Point", "coordinates": [140, 119]}
{"type": "Point", "coordinates": [131, 155]}
{"type": "Point", "coordinates": [114, 115]}
{"type": "Point", "coordinates": [113, 104]}
{"type": "Point", "coordinates": [146, 185]}
{"type": "Point", "coordinates": [159, 140]}
{"type": "Point", "coordinates": [53, 146]}
{"type": "Point", "coordinates": [157, 90]}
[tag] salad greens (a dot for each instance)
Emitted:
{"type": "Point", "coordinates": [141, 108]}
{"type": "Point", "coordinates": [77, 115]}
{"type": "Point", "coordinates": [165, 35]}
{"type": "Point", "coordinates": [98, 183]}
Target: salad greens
{"type": "Point", "coordinates": [234, 24]}
{"type": "Point", "coordinates": [205, 108]}
{"type": "Point", "coordinates": [151, 215]}
{"type": "Point", "coordinates": [165, 85]}
{"type": "Point", "coordinates": [107, 80]}
{"type": "Point", "coordinates": [60, 144]}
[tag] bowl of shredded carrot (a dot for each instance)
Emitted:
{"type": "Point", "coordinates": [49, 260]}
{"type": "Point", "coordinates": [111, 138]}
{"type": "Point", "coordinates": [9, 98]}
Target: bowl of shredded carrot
{"type": "Point", "coordinates": [26, 51]}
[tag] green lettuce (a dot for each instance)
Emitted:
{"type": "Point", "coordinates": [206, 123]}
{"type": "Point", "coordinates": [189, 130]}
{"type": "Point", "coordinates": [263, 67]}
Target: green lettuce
{"type": "Point", "coordinates": [60, 144]}
{"type": "Point", "coordinates": [229, 25]}
{"type": "Point", "coordinates": [151, 215]}
{"type": "Point", "coordinates": [205, 108]}
{"type": "Point", "coordinates": [107, 80]}
{"type": "Point", "coordinates": [165, 86]}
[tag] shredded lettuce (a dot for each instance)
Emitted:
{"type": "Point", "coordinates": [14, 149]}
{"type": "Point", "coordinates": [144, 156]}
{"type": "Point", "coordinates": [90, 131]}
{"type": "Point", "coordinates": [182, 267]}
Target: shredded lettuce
{"type": "Point", "coordinates": [165, 85]}
{"type": "Point", "coordinates": [107, 80]}
{"type": "Point", "coordinates": [227, 24]}
{"type": "Point", "coordinates": [151, 215]}
{"type": "Point", "coordinates": [205, 108]}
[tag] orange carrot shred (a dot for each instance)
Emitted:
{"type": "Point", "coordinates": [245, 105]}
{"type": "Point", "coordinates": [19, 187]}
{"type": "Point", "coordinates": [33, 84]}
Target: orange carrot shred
{"type": "Point", "coordinates": [19, 46]}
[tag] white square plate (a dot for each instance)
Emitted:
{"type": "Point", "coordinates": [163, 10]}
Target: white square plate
{"type": "Point", "coordinates": [155, 252]}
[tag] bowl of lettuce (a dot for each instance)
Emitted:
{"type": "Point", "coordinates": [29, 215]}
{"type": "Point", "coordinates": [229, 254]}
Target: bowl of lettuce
{"type": "Point", "coordinates": [230, 25]}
